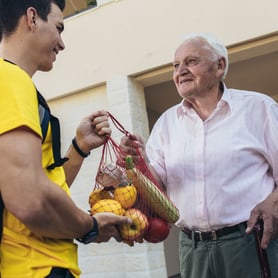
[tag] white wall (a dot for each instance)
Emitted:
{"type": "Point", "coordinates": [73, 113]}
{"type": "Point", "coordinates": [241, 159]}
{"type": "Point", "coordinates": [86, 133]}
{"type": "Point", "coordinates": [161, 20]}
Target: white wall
{"type": "Point", "coordinates": [127, 37]}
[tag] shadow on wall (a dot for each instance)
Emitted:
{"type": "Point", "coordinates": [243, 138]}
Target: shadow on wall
{"type": "Point", "coordinates": [175, 276]}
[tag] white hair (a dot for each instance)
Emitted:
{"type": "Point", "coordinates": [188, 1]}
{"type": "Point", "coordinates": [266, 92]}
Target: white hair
{"type": "Point", "coordinates": [216, 47]}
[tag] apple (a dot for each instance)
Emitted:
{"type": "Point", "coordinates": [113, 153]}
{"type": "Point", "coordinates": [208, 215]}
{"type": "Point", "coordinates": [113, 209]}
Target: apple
{"type": "Point", "coordinates": [158, 230]}
{"type": "Point", "coordinates": [136, 230]}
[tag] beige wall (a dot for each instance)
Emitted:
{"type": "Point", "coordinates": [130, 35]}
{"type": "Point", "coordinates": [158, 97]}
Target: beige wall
{"type": "Point", "coordinates": [127, 37]}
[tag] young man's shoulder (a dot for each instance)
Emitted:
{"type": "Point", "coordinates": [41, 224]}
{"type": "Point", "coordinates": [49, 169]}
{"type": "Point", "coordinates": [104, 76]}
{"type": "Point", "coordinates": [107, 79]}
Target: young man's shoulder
{"type": "Point", "coordinates": [12, 75]}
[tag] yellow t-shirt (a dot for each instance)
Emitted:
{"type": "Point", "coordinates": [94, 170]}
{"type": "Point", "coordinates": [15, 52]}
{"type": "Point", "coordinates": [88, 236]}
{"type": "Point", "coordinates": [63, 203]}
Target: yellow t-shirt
{"type": "Point", "coordinates": [23, 255]}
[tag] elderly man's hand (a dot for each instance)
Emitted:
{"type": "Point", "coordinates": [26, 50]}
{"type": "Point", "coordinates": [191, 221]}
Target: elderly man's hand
{"type": "Point", "coordinates": [268, 211]}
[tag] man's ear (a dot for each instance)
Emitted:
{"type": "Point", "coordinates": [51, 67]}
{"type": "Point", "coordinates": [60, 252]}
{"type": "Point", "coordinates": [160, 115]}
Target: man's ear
{"type": "Point", "coordinates": [221, 65]}
{"type": "Point", "coordinates": [32, 16]}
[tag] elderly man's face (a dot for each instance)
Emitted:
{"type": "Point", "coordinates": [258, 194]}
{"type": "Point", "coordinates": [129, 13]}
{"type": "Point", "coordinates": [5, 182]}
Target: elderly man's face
{"type": "Point", "coordinates": [195, 70]}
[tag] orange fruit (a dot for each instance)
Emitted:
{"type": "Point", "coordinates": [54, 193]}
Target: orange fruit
{"type": "Point", "coordinates": [126, 195]}
{"type": "Point", "coordinates": [99, 194]}
{"type": "Point", "coordinates": [107, 205]}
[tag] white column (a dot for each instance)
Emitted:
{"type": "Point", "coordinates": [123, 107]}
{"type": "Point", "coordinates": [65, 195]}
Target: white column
{"type": "Point", "coordinates": [126, 102]}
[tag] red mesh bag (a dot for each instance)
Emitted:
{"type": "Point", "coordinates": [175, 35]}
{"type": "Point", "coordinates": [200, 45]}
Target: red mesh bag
{"type": "Point", "coordinates": [130, 189]}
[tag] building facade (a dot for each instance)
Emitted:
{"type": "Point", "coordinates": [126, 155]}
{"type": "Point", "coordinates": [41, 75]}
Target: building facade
{"type": "Point", "coordinates": [118, 58]}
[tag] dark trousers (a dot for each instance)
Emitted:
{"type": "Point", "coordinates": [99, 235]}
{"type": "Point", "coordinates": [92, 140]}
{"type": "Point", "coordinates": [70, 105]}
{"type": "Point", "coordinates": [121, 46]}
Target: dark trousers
{"type": "Point", "coordinates": [231, 256]}
{"type": "Point", "coordinates": [58, 272]}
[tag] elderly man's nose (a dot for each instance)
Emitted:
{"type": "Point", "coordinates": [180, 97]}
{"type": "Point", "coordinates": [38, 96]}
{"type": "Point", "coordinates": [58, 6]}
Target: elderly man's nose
{"type": "Point", "coordinates": [183, 70]}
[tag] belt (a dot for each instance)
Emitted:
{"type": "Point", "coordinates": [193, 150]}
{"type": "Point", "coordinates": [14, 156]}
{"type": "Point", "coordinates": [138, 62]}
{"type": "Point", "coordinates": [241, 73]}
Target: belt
{"type": "Point", "coordinates": [212, 235]}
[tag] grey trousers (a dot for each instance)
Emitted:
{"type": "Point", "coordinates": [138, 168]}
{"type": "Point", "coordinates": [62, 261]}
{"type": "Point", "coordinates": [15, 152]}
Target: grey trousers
{"type": "Point", "coordinates": [231, 256]}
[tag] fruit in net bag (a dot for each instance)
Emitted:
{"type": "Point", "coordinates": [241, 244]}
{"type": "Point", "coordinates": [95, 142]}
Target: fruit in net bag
{"type": "Point", "coordinates": [107, 205]}
{"type": "Point", "coordinates": [158, 230]}
{"type": "Point", "coordinates": [99, 194]}
{"type": "Point", "coordinates": [110, 175]}
{"type": "Point", "coordinates": [154, 198]}
{"type": "Point", "coordinates": [126, 195]}
{"type": "Point", "coordinates": [138, 228]}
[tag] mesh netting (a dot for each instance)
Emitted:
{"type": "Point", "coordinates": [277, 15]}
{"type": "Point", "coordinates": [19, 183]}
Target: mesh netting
{"type": "Point", "coordinates": [127, 187]}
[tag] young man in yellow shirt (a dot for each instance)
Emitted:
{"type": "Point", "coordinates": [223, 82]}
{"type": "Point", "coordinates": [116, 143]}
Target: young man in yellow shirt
{"type": "Point", "coordinates": [40, 220]}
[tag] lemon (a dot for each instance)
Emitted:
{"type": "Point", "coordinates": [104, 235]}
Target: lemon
{"type": "Point", "coordinates": [107, 205]}
{"type": "Point", "coordinates": [99, 194]}
{"type": "Point", "coordinates": [126, 195]}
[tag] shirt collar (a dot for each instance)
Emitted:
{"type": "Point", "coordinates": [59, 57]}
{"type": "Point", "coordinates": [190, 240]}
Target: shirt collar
{"type": "Point", "coordinates": [184, 108]}
{"type": "Point", "coordinates": [226, 97]}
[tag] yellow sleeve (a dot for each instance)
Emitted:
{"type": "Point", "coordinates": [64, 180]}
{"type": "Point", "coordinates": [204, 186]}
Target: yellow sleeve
{"type": "Point", "coordinates": [19, 104]}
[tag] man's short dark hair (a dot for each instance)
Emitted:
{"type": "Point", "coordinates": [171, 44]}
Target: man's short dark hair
{"type": "Point", "coordinates": [12, 10]}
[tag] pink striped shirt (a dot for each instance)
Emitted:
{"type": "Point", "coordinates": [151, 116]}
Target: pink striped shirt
{"type": "Point", "coordinates": [216, 171]}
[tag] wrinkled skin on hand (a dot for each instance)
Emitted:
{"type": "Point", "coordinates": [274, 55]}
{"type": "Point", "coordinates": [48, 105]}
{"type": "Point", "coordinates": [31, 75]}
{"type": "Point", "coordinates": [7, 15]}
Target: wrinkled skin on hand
{"type": "Point", "coordinates": [131, 145]}
{"type": "Point", "coordinates": [268, 211]}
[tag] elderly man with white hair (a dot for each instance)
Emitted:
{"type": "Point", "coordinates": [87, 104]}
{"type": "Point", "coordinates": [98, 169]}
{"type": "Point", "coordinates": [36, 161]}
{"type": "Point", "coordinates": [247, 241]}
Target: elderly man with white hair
{"type": "Point", "coordinates": [216, 154]}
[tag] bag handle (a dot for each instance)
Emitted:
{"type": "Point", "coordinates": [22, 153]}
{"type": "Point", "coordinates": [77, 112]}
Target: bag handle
{"type": "Point", "coordinates": [142, 165]}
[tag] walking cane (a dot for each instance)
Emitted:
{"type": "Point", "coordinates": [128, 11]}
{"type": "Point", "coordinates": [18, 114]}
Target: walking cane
{"type": "Point", "coordinates": [261, 253]}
